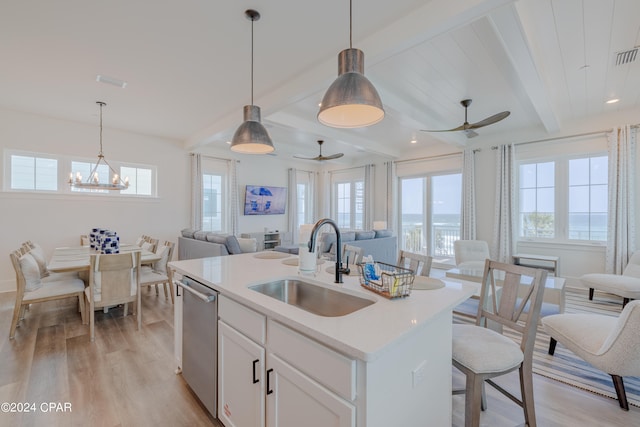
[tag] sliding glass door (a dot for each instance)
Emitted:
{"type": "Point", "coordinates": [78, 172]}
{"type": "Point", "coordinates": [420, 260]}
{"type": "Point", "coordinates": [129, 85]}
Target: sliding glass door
{"type": "Point", "coordinates": [430, 214]}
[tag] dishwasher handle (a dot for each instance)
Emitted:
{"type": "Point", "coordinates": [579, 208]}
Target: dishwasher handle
{"type": "Point", "coordinates": [203, 297]}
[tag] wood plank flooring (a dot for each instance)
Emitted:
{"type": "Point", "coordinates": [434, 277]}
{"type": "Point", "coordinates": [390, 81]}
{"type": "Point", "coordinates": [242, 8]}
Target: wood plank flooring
{"type": "Point", "coordinates": [126, 377]}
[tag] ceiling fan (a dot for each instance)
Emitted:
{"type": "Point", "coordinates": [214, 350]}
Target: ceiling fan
{"type": "Point", "coordinates": [467, 127]}
{"type": "Point", "coordinates": [320, 157]}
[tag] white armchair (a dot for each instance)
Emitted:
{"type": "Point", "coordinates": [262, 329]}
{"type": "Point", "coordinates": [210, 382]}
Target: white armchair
{"type": "Point", "coordinates": [626, 285]}
{"type": "Point", "coordinates": [471, 254]}
{"type": "Point", "coordinates": [608, 343]}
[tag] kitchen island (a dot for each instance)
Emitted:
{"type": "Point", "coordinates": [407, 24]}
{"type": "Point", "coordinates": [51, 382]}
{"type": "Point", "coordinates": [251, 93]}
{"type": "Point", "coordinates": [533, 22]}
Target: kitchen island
{"type": "Point", "coordinates": [386, 364]}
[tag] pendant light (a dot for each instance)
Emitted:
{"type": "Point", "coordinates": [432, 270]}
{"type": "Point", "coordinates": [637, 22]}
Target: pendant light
{"type": "Point", "coordinates": [351, 101]}
{"type": "Point", "coordinates": [251, 137]}
{"type": "Point", "coordinates": [92, 182]}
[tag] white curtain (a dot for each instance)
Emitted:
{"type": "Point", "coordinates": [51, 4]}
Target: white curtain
{"type": "Point", "coordinates": [367, 223]}
{"type": "Point", "coordinates": [468, 217]}
{"type": "Point", "coordinates": [292, 216]}
{"type": "Point", "coordinates": [391, 180]}
{"type": "Point", "coordinates": [232, 188]}
{"type": "Point", "coordinates": [504, 217]}
{"type": "Point", "coordinates": [196, 192]}
{"type": "Point", "coordinates": [621, 242]}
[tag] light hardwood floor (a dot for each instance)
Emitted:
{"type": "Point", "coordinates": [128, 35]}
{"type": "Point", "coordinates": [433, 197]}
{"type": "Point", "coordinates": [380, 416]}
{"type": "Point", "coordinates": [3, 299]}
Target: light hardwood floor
{"type": "Point", "coordinates": [126, 378]}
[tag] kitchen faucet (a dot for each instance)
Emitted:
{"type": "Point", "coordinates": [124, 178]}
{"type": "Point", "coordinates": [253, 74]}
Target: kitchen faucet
{"type": "Point", "coordinates": [312, 245]}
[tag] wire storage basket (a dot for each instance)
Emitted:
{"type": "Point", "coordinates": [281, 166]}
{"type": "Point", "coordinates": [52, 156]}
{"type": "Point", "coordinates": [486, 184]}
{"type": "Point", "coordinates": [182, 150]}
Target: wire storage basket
{"type": "Point", "coordinates": [390, 281]}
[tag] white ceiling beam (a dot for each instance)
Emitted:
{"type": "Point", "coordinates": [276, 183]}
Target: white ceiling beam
{"type": "Point", "coordinates": [509, 28]}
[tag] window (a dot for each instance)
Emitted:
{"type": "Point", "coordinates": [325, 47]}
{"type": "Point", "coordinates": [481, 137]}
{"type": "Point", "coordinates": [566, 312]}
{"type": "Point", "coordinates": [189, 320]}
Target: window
{"type": "Point", "coordinates": [537, 200]}
{"type": "Point", "coordinates": [25, 171]}
{"type": "Point", "coordinates": [349, 204]}
{"type": "Point", "coordinates": [304, 198]}
{"type": "Point", "coordinates": [140, 180]}
{"type": "Point", "coordinates": [34, 173]}
{"type": "Point", "coordinates": [588, 199]}
{"type": "Point", "coordinates": [430, 209]}
{"type": "Point", "coordinates": [212, 202]}
{"type": "Point", "coordinates": [564, 199]}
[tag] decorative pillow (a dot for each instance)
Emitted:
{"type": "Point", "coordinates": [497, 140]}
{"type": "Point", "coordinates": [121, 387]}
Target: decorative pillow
{"type": "Point", "coordinates": [383, 233]}
{"type": "Point", "coordinates": [365, 235]}
{"type": "Point", "coordinates": [348, 236]}
{"type": "Point", "coordinates": [247, 244]}
{"type": "Point", "coordinates": [38, 254]}
{"type": "Point", "coordinates": [160, 266]}
{"type": "Point", "coordinates": [147, 246]}
{"type": "Point", "coordinates": [31, 272]}
{"type": "Point", "coordinates": [326, 240]}
{"type": "Point", "coordinates": [217, 238]}
{"type": "Point", "coordinates": [188, 232]}
{"type": "Point", "coordinates": [200, 235]}
{"type": "Point", "coordinates": [233, 246]}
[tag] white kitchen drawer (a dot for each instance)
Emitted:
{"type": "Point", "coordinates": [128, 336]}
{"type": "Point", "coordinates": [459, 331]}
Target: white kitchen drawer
{"type": "Point", "coordinates": [243, 319]}
{"type": "Point", "coordinates": [330, 368]}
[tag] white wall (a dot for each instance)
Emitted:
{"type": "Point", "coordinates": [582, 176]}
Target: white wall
{"type": "Point", "coordinates": [59, 220]}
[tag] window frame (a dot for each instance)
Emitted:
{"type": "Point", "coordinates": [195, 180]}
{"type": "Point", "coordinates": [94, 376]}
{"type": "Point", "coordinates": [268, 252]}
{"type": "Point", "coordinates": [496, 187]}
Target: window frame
{"type": "Point", "coordinates": [561, 196]}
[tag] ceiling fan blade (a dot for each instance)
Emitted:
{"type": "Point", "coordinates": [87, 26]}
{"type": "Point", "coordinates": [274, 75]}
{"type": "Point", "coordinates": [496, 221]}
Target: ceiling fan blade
{"type": "Point", "coordinates": [461, 127]}
{"type": "Point", "coordinates": [306, 158]}
{"type": "Point", "coordinates": [490, 120]}
{"type": "Point", "coordinates": [331, 157]}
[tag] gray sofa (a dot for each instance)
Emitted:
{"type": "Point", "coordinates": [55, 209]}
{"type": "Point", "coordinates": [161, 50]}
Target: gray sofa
{"type": "Point", "coordinates": [380, 244]}
{"type": "Point", "coordinates": [201, 244]}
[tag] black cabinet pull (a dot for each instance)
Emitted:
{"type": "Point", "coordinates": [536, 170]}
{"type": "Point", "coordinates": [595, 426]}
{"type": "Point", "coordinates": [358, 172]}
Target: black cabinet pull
{"type": "Point", "coordinates": [255, 380]}
{"type": "Point", "coordinates": [269, 391]}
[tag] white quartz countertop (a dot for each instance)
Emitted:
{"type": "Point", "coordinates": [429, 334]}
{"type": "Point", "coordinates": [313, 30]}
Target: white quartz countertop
{"type": "Point", "coordinates": [363, 334]}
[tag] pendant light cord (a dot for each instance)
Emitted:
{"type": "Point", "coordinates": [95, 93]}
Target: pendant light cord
{"type": "Point", "coordinates": [252, 20]}
{"type": "Point", "coordinates": [350, 24]}
{"type": "Point", "coordinates": [101, 105]}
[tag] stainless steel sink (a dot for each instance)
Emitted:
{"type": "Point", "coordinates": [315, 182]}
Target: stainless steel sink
{"type": "Point", "coordinates": [312, 298]}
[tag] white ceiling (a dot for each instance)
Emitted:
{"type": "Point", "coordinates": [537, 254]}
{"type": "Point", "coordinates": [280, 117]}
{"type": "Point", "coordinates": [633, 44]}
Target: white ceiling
{"type": "Point", "coordinates": [187, 65]}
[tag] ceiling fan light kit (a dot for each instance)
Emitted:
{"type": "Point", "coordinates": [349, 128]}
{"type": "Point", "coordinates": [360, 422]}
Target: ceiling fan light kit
{"type": "Point", "coordinates": [467, 127]}
{"type": "Point", "coordinates": [251, 137]}
{"type": "Point", "coordinates": [351, 101]}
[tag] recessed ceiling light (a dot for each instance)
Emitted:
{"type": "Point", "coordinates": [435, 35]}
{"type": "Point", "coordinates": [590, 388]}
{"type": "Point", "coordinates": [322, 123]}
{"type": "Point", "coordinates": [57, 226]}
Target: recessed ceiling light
{"type": "Point", "coordinates": [229, 142]}
{"type": "Point", "coordinates": [613, 101]}
{"type": "Point", "coordinates": [414, 141]}
{"type": "Point", "coordinates": [111, 81]}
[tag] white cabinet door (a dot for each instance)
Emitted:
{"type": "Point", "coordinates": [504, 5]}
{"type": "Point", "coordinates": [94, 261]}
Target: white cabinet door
{"type": "Point", "coordinates": [177, 327]}
{"type": "Point", "coordinates": [294, 400]}
{"type": "Point", "coordinates": [240, 379]}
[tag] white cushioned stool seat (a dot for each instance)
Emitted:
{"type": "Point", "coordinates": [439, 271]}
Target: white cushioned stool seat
{"type": "Point", "coordinates": [483, 350]}
{"type": "Point", "coordinates": [624, 286]}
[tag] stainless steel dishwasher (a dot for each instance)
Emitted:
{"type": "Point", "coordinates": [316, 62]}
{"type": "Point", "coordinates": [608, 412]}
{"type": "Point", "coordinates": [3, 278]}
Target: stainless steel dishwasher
{"type": "Point", "coordinates": [200, 340]}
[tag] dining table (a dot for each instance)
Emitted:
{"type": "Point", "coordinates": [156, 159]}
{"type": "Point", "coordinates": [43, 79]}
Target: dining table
{"type": "Point", "coordinates": [77, 258]}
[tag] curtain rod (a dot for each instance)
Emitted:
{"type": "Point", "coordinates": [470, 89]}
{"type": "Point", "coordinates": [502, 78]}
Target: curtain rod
{"type": "Point", "coordinates": [439, 156]}
{"type": "Point", "coordinates": [302, 170]}
{"type": "Point", "coordinates": [495, 147]}
{"type": "Point", "coordinates": [213, 157]}
{"type": "Point", "coordinates": [347, 169]}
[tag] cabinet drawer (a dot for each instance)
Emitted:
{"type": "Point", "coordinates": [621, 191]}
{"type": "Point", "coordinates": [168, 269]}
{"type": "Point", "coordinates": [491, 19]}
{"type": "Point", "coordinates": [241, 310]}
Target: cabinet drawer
{"type": "Point", "coordinates": [330, 368]}
{"type": "Point", "coordinates": [243, 319]}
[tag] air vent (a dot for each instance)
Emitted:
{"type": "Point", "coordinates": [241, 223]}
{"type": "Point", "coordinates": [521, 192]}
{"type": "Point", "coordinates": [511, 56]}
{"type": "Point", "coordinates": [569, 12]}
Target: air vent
{"type": "Point", "coordinates": [626, 56]}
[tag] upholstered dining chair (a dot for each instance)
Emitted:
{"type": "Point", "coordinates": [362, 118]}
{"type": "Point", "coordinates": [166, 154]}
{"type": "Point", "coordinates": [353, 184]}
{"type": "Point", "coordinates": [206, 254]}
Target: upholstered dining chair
{"type": "Point", "coordinates": [159, 273]}
{"type": "Point", "coordinates": [84, 240]}
{"type": "Point", "coordinates": [471, 254]}
{"type": "Point", "coordinates": [626, 285]}
{"type": "Point", "coordinates": [34, 287]}
{"type": "Point", "coordinates": [420, 264]}
{"type": "Point", "coordinates": [608, 343]}
{"type": "Point", "coordinates": [113, 279]}
{"type": "Point", "coordinates": [351, 254]}
{"type": "Point", "coordinates": [482, 353]}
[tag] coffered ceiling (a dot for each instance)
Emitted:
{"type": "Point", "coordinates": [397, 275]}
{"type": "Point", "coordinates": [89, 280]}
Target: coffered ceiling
{"type": "Point", "coordinates": [187, 66]}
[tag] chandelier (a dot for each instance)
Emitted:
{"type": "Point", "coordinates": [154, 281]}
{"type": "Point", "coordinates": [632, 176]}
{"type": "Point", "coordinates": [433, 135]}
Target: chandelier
{"type": "Point", "coordinates": [92, 182]}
